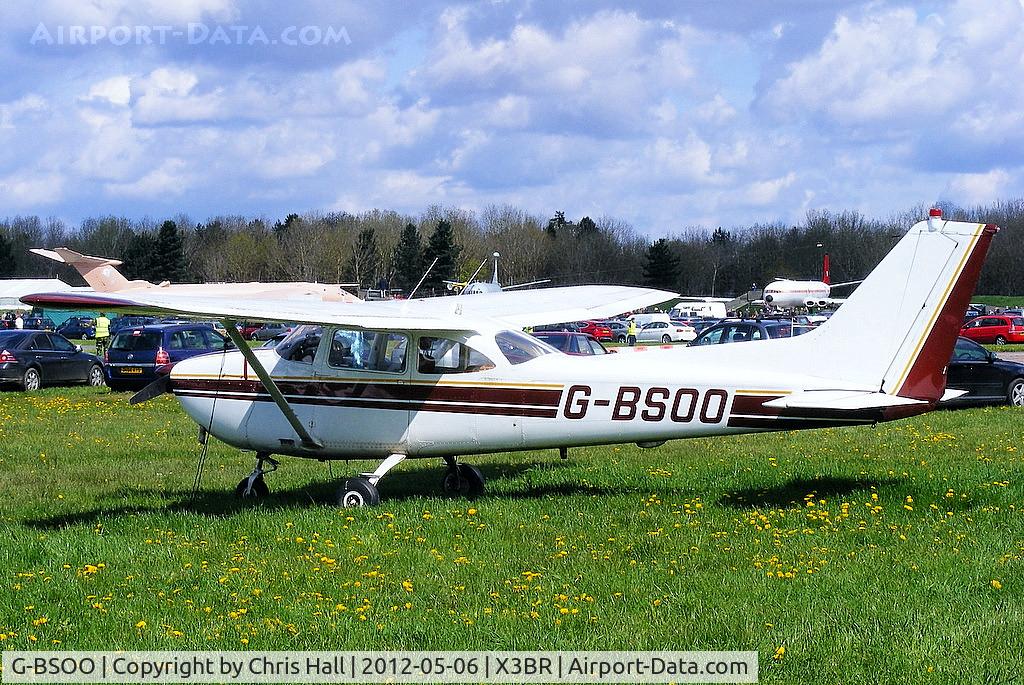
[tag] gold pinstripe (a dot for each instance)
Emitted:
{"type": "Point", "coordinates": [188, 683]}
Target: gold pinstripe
{"type": "Point", "coordinates": [377, 381]}
{"type": "Point", "coordinates": [945, 295]}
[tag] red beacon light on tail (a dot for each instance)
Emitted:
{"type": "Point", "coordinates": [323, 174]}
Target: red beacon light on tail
{"type": "Point", "coordinates": [934, 218]}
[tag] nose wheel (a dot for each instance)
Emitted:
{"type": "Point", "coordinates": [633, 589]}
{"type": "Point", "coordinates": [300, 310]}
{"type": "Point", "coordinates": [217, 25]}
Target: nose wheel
{"type": "Point", "coordinates": [463, 480]}
{"type": "Point", "coordinates": [254, 486]}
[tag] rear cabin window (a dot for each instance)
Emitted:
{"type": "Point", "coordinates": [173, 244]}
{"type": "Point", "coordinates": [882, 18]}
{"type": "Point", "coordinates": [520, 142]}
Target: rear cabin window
{"type": "Point", "coordinates": [441, 355]}
{"type": "Point", "coordinates": [520, 347]}
{"type": "Point", "coordinates": [368, 351]}
{"type": "Point", "coordinates": [129, 341]}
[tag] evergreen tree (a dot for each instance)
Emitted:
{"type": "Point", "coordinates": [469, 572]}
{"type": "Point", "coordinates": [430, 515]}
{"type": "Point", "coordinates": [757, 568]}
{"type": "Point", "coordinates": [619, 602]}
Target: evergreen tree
{"type": "Point", "coordinates": [140, 258]}
{"type": "Point", "coordinates": [281, 229]}
{"type": "Point", "coordinates": [366, 258]}
{"type": "Point", "coordinates": [556, 223]}
{"type": "Point", "coordinates": [661, 267]}
{"type": "Point", "coordinates": [442, 246]}
{"type": "Point", "coordinates": [169, 262]}
{"type": "Point", "coordinates": [587, 226]}
{"type": "Point", "coordinates": [7, 263]}
{"type": "Point", "coordinates": [408, 261]}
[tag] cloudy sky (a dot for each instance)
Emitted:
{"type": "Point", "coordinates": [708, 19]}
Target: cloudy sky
{"type": "Point", "coordinates": [662, 113]}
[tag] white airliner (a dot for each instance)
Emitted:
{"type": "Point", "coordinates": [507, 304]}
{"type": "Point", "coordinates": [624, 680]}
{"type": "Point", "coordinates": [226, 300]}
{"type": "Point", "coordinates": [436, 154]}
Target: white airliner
{"type": "Point", "coordinates": [784, 293]}
{"type": "Point", "coordinates": [101, 273]}
{"type": "Point", "coordinates": [446, 377]}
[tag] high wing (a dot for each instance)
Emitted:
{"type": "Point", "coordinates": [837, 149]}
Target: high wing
{"type": "Point", "coordinates": [513, 309]}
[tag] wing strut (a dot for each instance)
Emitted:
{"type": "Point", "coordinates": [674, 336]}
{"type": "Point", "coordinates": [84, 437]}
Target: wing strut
{"type": "Point", "coordinates": [308, 441]}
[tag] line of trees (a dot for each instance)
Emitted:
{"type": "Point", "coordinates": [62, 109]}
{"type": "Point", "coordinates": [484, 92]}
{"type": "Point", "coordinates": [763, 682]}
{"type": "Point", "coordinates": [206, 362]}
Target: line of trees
{"type": "Point", "coordinates": [383, 248]}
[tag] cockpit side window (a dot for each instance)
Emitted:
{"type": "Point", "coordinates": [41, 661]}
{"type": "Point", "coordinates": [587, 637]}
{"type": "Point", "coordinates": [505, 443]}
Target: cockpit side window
{"type": "Point", "coordinates": [368, 350]}
{"type": "Point", "coordinates": [441, 355]}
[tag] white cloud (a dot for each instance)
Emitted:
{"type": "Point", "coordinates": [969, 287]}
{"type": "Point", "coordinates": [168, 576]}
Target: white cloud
{"type": "Point", "coordinates": [27, 190]}
{"type": "Point", "coordinates": [767, 192]}
{"type": "Point", "coordinates": [981, 188]}
{"type": "Point", "coordinates": [169, 180]}
{"type": "Point", "coordinates": [116, 90]}
{"type": "Point", "coordinates": [22, 108]}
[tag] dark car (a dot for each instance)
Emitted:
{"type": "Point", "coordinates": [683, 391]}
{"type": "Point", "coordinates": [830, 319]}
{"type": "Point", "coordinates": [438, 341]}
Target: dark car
{"type": "Point", "coordinates": [742, 330]}
{"type": "Point", "coordinates": [571, 343]}
{"type": "Point", "coordinates": [78, 328]}
{"type": "Point", "coordinates": [986, 378]}
{"type": "Point", "coordinates": [269, 331]}
{"type": "Point", "coordinates": [39, 323]}
{"type": "Point", "coordinates": [30, 359]}
{"type": "Point", "coordinates": [130, 322]}
{"type": "Point", "coordinates": [137, 356]}
{"type": "Point", "coordinates": [565, 327]}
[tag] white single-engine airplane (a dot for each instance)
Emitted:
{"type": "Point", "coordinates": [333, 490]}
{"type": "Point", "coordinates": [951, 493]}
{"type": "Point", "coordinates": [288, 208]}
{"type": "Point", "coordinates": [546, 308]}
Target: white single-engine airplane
{"type": "Point", "coordinates": [473, 287]}
{"type": "Point", "coordinates": [101, 273]}
{"type": "Point", "coordinates": [446, 377]}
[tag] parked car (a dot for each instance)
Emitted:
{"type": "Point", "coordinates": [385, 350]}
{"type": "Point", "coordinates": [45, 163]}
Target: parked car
{"type": "Point", "coordinates": [665, 332]}
{"type": "Point", "coordinates": [269, 331]}
{"type": "Point", "coordinates": [741, 330]}
{"type": "Point", "coordinates": [78, 328]}
{"type": "Point", "coordinates": [138, 356]}
{"type": "Point", "coordinates": [998, 329]}
{"type": "Point", "coordinates": [38, 323]}
{"type": "Point", "coordinates": [597, 330]}
{"type": "Point", "coordinates": [619, 329]}
{"type": "Point", "coordinates": [130, 322]}
{"type": "Point", "coordinates": [571, 343]}
{"type": "Point", "coordinates": [568, 327]}
{"type": "Point", "coordinates": [30, 359]}
{"type": "Point", "coordinates": [247, 328]}
{"type": "Point", "coordinates": [986, 378]}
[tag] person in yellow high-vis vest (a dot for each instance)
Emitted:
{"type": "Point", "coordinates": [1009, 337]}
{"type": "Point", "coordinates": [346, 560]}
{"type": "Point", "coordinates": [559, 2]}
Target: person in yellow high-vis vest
{"type": "Point", "coordinates": [631, 333]}
{"type": "Point", "coordinates": [102, 334]}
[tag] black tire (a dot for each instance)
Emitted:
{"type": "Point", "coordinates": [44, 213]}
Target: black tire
{"type": "Point", "coordinates": [258, 491]}
{"type": "Point", "coordinates": [1015, 392]}
{"type": "Point", "coordinates": [95, 377]}
{"type": "Point", "coordinates": [358, 492]}
{"type": "Point", "coordinates": [465, 480]}
{"type": "Point", "coordinates": [253, 336]}
{"type": "Point", "coordinates": [1000, 340]}
{"type": "Point", "coordinates": [620, 339]}
{"type": "Point", "coordinates": [32, 380]}
{"type": "Point", "coordinates": [666, 339]}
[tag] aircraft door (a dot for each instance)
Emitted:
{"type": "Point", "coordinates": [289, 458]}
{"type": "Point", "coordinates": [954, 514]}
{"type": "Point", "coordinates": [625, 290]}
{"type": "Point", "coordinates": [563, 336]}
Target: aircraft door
{"type": "Point", "coordinates": [362, 380]}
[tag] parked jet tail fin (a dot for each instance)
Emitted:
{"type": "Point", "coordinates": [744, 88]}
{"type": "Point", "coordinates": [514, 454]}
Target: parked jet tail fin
{"type": "Point", "coordinates": [98, 272]}
{"type": "Point", "coordinates": [896, 332]}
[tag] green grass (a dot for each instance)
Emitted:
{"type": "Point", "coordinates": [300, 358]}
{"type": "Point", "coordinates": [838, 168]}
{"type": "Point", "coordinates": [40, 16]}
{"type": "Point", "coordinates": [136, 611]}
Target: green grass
{"type": "Point", "coordinates": [1002, 301]}
{"type": "Point", "coordinates": [868, 553]}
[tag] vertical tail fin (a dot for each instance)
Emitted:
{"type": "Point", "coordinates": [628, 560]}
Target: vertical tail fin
{"type": "Point", "coordinates": [897, 330]}
{"type": "Point", "coordinates": [826, 277]}
{"type": "Point", "coordinates": [98, 272]}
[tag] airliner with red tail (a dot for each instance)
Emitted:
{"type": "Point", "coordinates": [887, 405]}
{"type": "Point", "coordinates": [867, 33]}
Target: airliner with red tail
{"type": "Point", "coordinates": [447, 377]}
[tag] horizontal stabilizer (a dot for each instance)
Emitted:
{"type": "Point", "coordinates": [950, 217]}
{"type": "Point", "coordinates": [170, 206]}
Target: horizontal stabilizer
{"type": "Point", "coordinates": [841, 400]}
{"type": "Point", "coordinates": [951, 394]}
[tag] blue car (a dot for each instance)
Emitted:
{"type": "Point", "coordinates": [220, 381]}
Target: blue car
{"type": "Point", "coordinates": [78, 328]}
{"type": "Point", "coordinates": [139, 355]}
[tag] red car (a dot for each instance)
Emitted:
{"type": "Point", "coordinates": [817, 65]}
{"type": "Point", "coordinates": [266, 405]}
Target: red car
{"type": "Point", "coordinates": [994, 328]}
{"type": "Point", "coordinates": [247, 328]}
{"type": "Point", "coordinates": [596, 330]}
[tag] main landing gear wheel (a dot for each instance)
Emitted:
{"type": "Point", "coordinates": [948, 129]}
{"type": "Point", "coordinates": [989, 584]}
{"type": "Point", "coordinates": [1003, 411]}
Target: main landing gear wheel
{"type": "Point", "coordinates": [254, 486]}
{"type": "Point", "coordinates": [464, 480]}
{"type": "Point", "coordinates": [358, 492]}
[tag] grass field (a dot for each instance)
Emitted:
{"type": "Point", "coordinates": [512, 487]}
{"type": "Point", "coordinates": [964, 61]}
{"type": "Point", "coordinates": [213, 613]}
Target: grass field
{"type": "Point", "coordinates": [888, 555]}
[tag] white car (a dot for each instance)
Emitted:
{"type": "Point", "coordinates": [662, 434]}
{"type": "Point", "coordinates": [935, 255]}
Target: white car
{"type": "Point", "coordinates": [659, 331]}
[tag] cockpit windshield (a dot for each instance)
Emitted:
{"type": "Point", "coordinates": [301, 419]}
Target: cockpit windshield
{"type": "Point", "coordinates": [520, 347]}
{"type": "Point", "coordinates": [301, 344]}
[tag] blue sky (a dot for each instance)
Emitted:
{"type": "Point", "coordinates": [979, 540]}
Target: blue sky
{"type": "Point", "coordinates": [663, 114]}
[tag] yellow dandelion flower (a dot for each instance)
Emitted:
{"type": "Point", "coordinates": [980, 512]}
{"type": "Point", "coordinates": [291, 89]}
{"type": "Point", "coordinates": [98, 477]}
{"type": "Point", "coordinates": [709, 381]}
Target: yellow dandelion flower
{"type": "Point", "coordinates": [997, 585]}
{"type": "Point", "coordinates": [140, 625]}
{"type": "Point", "coordinates": [407, 585]}
{"type": "Point", "coordinates": [779, 653]}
